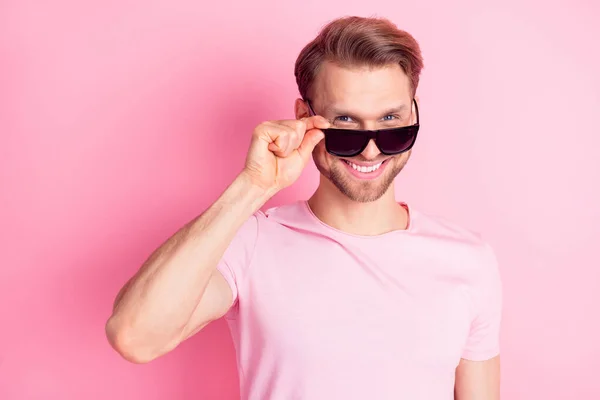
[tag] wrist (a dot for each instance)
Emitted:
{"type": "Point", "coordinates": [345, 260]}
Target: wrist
{"type": "Point", "coordinates": [252, 193]}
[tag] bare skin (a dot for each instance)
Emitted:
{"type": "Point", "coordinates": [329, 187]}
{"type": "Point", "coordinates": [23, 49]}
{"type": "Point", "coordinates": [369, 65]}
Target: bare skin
{"type": "Point", "coordinates": [178, 290]}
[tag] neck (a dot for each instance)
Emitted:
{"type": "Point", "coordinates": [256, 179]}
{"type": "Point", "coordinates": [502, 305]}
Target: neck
{"type": "Point", "coordinates": [366, 219]}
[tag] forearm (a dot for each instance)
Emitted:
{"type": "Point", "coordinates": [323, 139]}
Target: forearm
{"type": "Point", "coordinates": [156, 304]}
{"type": "Point", "coordinates": [478, 380]}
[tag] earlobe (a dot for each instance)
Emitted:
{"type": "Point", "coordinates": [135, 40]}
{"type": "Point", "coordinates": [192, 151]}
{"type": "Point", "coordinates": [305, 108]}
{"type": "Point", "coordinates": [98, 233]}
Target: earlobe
{"type": "Point", "coordinates": [301, 109]}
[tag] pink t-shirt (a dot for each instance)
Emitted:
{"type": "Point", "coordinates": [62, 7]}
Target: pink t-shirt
{"type": "Point", "coordinates": [322, 314]}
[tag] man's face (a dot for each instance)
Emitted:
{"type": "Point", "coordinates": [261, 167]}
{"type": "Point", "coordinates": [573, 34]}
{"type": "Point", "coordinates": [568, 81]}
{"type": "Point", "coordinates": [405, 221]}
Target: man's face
{"type": "Point", "coordinates": [362, 98]}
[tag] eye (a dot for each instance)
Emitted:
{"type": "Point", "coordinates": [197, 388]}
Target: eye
{"type": "Point", "coordinates": [390, 117]}
{"type": "Point", "coordinates": [343, 118]}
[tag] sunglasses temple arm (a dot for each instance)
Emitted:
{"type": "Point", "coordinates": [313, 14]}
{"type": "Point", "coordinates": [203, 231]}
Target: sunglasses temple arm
{"type": "Point", "coordinates": [310, 109]}
{"type": "Point", "coordinates": [416, 109]}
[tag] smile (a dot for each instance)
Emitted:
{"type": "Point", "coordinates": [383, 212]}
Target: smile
{"type": "Point", "coordinates": [364, 169]}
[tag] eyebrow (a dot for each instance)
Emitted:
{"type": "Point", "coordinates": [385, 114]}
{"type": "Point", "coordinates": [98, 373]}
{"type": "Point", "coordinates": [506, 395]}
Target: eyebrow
{"type": "Point", "coordinates": [340, 111]}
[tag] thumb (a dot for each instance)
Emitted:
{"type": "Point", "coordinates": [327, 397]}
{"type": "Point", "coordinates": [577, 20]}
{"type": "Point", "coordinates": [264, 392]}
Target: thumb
{"type": "Point", "coordinates": [310, 141]}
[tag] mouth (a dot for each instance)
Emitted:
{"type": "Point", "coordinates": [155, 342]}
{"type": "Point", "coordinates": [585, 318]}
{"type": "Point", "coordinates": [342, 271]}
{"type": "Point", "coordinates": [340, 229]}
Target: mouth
{"type": "Point", "coordinates": [366, 171]}
{"type": "Point", "coordinates": [363, 168]}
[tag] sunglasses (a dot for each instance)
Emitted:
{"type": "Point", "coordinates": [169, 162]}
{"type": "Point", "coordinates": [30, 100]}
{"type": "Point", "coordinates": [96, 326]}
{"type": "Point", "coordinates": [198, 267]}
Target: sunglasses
{"type": "Point", "coordinates": [352, 142]}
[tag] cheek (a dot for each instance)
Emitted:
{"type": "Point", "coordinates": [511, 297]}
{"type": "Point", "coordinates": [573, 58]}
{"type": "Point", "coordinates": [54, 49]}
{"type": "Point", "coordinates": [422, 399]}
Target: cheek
{"type": "Point", "coordinates": [402, 159]}
{"type": "Point", "coordinates": [320, 147]}
{"type": "Point", "coordinates": [320, 154]}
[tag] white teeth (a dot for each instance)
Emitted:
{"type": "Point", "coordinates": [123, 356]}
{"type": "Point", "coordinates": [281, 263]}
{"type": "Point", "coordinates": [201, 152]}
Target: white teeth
{"type": "Point", "coordinates": [363, 168]}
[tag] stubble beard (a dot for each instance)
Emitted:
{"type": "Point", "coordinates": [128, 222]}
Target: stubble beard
{"type": "Point", "coordinates": [363, 191]}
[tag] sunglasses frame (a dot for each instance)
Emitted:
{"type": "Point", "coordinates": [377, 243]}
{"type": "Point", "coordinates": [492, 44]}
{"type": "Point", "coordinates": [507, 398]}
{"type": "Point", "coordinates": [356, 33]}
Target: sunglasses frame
{"type": "Point", "coordinates": [371, 134]}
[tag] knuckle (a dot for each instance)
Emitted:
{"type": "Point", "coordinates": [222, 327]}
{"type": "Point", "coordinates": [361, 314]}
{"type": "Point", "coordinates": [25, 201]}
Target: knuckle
{"type": "Point", "coordinates": [290, 132]}
{"type": "Point", "coordinates": [262, 127]}
{"type": "Point", "coordinates": [299, 125]}
{"type": "Point", "coordinates": [285, 134]}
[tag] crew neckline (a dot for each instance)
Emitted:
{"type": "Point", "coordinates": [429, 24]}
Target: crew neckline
{"type": "Point", "coordinates": [409, 226]}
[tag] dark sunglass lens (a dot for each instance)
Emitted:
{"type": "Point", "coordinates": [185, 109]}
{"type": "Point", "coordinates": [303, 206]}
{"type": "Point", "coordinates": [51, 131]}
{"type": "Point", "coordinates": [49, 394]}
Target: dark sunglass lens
{"type": "Point", "coordinates": [344, 143]}
{"type": "Point", "coordinates": [395, 141]}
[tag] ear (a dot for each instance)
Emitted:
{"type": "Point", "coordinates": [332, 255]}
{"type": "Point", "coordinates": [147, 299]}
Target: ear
{"type": "Point", "coordinates": [301, 109]}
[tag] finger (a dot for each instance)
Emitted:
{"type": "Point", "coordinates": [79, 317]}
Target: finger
{"type": "Point", "coordinates": [279, 146]}
{"type": "Point", "coordinates": [294, 141]}
{"type": "Point", "coordinates": [310, 141]}
{"type": "Point", "coordinates": [291, 139]}
{"type": "Point", "coordinates": [307, 123]}
{"type": "Point", "coordinates": [298, 135]}
{"type": "Point", "coordinates": [286, 136]}
{"type": "Point", "coordinates": [316, 122]}
{"type": "Point", "coordinates": [274, 134]}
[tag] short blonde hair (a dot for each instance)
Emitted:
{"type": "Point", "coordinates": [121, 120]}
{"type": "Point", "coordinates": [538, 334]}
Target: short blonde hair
{"type": "Point", "coordinates": [359, 41]}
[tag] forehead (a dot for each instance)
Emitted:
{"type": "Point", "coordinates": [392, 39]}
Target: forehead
{"type": "Point", "coordinates": [361, 88]}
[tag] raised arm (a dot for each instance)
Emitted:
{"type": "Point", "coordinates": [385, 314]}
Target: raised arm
{"type": "Point", "coordinates": [179, 290]}
{"type": "Point", "coordinates": [153, 312]}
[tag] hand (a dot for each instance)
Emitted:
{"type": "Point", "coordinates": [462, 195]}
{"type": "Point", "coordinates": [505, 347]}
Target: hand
{"type": "Point", "coordinates": [280, 150]}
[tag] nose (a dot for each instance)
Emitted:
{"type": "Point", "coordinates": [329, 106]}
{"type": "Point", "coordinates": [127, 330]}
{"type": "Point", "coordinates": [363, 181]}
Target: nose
{"type": "Point", "coordinates": [371, 151]}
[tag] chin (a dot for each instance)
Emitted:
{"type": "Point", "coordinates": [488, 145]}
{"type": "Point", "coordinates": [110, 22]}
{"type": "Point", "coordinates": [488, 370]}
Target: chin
{"type": "Point", "coordinates": [360, 190]}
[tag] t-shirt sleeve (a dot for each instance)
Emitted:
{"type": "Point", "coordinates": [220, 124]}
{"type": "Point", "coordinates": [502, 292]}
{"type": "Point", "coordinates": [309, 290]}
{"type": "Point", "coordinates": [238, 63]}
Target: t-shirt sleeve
{"type": "Point", "coordinates": [238, 255]}
{"type": "Point", "coordinates": [483, 342]}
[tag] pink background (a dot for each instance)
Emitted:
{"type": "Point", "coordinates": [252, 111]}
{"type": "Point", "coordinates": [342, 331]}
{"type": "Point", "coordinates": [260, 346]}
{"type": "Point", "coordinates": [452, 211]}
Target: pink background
{"type": "Point", "coordinates": [122, 120]}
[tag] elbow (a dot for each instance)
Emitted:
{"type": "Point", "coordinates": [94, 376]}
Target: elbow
{"type": "Point", "coordinates": [122, 340]}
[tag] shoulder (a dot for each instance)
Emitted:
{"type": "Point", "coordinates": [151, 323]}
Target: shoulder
{"type": "Point", "coordinates": [460, 245]}
{"type": "Point", "coordinates": [263, 220]}
{"type": "Point", "coordinates": [286, 211]}
{"type": "Point", "coordinates": [433, 225]}
{"type": "Point", "coordinates": [284, 217]}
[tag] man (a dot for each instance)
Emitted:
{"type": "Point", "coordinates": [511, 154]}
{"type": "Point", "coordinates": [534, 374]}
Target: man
{"type": "Point", "coordinates": [349, 295]}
